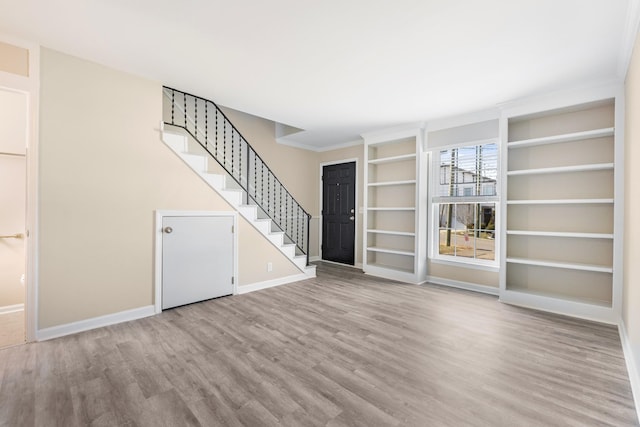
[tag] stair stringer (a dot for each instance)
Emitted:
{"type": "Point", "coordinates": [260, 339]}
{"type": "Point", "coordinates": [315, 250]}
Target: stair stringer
{"type": "Point", "coordinates": [179, 144]}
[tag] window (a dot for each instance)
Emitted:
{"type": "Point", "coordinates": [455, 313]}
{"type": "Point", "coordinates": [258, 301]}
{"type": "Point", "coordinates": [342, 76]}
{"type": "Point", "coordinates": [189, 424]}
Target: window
{"type": "Point", "coordinates": [464, 204]}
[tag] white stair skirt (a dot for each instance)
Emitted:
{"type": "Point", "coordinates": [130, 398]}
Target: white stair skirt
{"type": "Point", "coordinates": [179, 144]}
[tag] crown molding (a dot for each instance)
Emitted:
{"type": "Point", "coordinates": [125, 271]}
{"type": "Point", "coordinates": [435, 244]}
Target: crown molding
{"type": "Point", "coordinates": [629, 37]}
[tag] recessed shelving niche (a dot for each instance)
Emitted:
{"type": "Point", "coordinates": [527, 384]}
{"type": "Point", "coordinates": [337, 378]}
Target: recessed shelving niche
{"type": "Point", "coordinates": [560, 232]}
{"type": "Point", "coordinates": [392, 218]}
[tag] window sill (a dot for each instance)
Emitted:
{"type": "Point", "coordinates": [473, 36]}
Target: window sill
{"type": "Point", "coordinates": [466, 264]}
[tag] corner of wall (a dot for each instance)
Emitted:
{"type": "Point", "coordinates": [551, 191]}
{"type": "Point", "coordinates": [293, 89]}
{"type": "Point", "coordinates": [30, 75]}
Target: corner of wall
{"type": "Point", "coordinates": [632, 360]}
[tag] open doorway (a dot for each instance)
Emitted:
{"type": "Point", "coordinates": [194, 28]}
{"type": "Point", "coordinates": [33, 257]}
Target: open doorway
{"type": "Point", "coordinates": [13, 200]}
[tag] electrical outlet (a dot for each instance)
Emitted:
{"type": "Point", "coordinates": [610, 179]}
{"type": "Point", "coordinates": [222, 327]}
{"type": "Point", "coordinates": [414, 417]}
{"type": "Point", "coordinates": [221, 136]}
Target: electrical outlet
{"type": "Point", "coordinates": [269, 266]}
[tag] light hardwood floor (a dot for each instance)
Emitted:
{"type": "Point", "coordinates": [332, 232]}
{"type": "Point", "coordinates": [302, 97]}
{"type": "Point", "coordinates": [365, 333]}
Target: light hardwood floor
{"type": "Point", "coordinates": [343, 349]}
{"type": "Point", "coordinates": [11, 329]}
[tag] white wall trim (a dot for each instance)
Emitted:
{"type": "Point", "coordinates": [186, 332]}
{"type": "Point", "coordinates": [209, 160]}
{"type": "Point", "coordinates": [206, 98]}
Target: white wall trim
{"type": "Point", "coordinates": [95, 322]}
{"type": "Point", "coordinates": [357, 210]}
{"type": "Point", "coordinates": [340, 146]}
{"type": "Point", "coordinates": [11, 308]}
{"type": "Point", "coordinates": [469, 118]}
{"type": "Point", "coordinates": [463, 285]}
{"type": "Point", "coordinates": [564, 307]}
{"type": "Point", "coordinates": [31, 86]}
{"type": "Point", "coordinates": [245, 289]}
{"type": "Point", "coordinates": [157, 279]}
{"type": "Point", "coordinates": [395, 132]}
{"type": "Point", "coordinates": [283, 140]}
{"type": "Point", "coordinates": [569, 97]}
{"type": "Point", "coordinates": [629, 38]}
{"type": "Point", "coordinates": [633, 365]}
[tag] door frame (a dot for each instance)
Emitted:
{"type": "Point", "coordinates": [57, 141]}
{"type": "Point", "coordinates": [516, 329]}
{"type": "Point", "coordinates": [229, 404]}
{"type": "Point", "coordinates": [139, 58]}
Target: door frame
{"type": "Point", "coordinates": [30, 86]}
{"type": "Point", "coordinates": [157, 278]}
{"type": "Point", "coordinates": [357, 209]}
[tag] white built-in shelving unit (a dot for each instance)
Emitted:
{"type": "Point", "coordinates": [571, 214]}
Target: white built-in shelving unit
{"type": "Point", "coordinates": [562, 174]}
{"type": "Point", "coordinates": [394, 214]}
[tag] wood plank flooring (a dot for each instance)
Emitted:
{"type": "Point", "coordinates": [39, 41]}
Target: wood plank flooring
{"type": "Point", "coordinates": [343, 349]}
{"type": "Point", "coordinates": [11, 329]}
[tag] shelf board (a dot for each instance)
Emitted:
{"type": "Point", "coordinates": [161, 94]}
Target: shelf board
{"type": "Point", "coordinates": [392, 159]}
{"type": "Point", "coordinates": [392, 209]}
{"type": "Point", "coordinates": [393, 233]}
{"type": "Point", "coordinates": [560, 234]}
{"type": "Point", "coordinates": [390, 251]}
{"type": "Point", "coordinates": [568, 137]}
{"type": "Point", "coordinates": [385, 183]}
{"type": "Point", "coordinates": [560, 202]}
{"type": "Point", "coordinates": [390, 267]}
{"type": "Point", "coordinates": [554, 296]}
{"type": "Point", "coordinates": [565, 265]}
{"type": "Point", "coordinates": [563, 169]}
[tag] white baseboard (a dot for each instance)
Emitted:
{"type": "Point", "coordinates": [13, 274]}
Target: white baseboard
{"type": "Point", "coordinates": [95, 322]}
{"type": "Point", "coordinates": [314, 258]}
{"type": "Point", "coordinates": [463, 285]}
{"type": "Point", "coordinates": [633, 365]}
{"type": "Point", "coordinates": [11, 308]}
{"type": "Point", "coordinates": [245, 289]}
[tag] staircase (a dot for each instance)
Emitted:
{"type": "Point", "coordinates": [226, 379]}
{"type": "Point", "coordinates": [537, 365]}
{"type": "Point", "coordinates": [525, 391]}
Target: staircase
{"type": "Point", "coordinates": [202, 136]}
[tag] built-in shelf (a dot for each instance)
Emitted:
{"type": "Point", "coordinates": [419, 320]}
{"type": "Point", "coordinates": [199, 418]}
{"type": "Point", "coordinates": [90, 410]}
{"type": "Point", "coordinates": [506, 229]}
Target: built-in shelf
{"type": "Point", "coordinates": [560, 234]}
{"type": "Point", "coordinates": [563, 169]}
{"type": "Point", "coordinates": [392, 209]}
{"type": "Point", "coordinates": [561, 202]}
{"type": "Point", "coordinates": [392, 179]}
{"type": "Point", "coordinates": [390, 251]}
{"type": "Point", "coordinates": [568, 137]}
{"type": "Point", "coordinates": [562, 226]}
{"type": "Point", "coordinates": [391, 267]}
{"type": "Point", "coordinates": [382, 184]}
{"type": "Point", "coordinates": [392, 159]}
{"type": "Point", "coordinates": [565, 265]}
{"type": "Point", "coordinates": [393, 233]}
{"type": "Point", "coordinates": [511, 293]}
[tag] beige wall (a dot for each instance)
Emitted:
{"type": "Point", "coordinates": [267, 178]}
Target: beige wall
{"type": "Point", "coordinates": [103, 173]}
{"type": "Point", "coordinates": [631, 292]}
{"type": "Point", "coordinates": [14, 60]}
{"type": "Point", "coordinates": [294, 167]}
{"type": "Point", "coordinates": [299, 170]}
{"type": "Point", "coordinates": [462, 273]}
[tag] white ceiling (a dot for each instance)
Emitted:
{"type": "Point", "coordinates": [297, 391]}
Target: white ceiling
{"type": "Point", "coordinates": [338, 68]}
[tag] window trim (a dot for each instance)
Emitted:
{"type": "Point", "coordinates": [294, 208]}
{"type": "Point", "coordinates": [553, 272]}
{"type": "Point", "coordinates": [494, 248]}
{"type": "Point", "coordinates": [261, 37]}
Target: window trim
{"type": "Point", "coordinates": [434, 201]}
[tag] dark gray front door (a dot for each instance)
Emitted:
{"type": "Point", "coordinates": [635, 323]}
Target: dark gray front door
{"type": "Point", "coordinates": [339, 212]}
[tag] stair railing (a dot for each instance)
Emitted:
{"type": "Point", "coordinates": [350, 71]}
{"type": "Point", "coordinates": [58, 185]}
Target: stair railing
{"type": "Point", "coordinates": [209, 126]}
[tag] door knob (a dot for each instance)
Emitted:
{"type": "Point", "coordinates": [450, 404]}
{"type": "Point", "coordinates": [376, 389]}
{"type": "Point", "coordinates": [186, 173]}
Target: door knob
{"type": "Point", "coordinates": [168, 230]}
{"type": "Point", "coordinates": [352, 218]}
